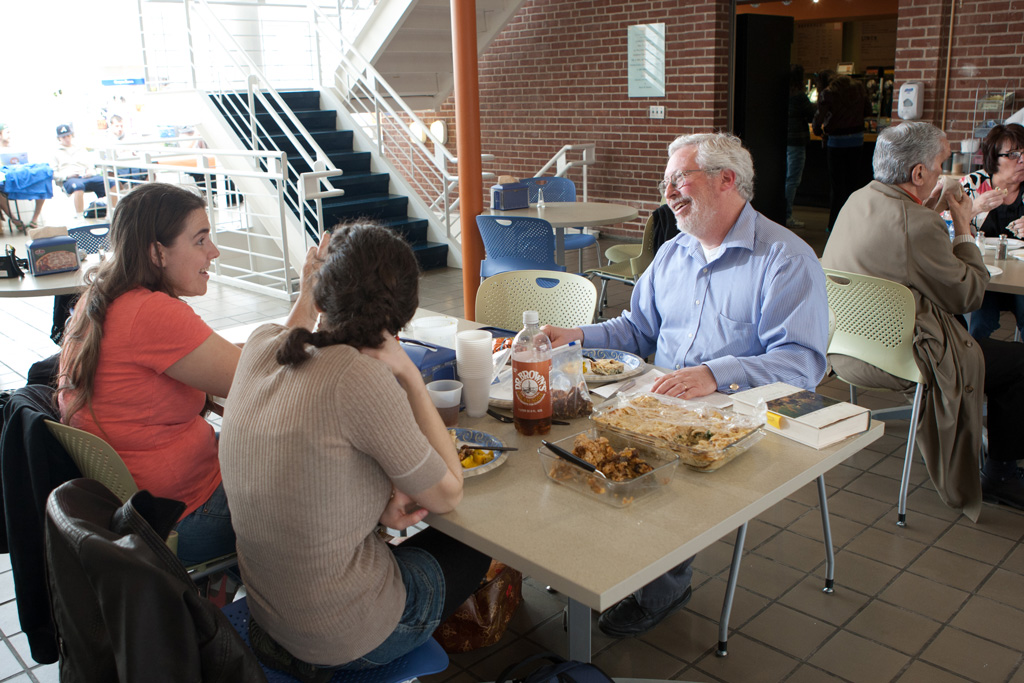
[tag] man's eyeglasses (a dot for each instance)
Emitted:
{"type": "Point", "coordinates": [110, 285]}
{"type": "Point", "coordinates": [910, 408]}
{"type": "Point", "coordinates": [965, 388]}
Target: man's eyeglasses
{"type": "Point", "coordinates": [1013, 156]}
{"type": "Point", "coordinates": [680, 178]}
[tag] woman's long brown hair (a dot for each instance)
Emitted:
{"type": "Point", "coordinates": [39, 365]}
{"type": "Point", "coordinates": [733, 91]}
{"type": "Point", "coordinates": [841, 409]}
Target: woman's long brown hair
{"type": "Point", "coordinates": [369, 284]}
{"type": "Point", "coordinates": [151, 213]}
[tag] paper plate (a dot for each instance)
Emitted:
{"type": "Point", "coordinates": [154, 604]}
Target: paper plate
{"type": "Point", "coordinates": [633, 365]}
{"type": "Point", "coordinates": [475, 436]}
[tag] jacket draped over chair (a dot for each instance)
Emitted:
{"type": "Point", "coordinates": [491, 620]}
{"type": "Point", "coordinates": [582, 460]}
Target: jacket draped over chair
{"type": "Point", "coordinates": [882, 231]}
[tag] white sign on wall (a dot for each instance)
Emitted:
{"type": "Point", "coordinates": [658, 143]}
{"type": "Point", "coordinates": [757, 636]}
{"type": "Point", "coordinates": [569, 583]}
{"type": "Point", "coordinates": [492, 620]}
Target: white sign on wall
{"type": "Point", "coordinates": [646, 71]}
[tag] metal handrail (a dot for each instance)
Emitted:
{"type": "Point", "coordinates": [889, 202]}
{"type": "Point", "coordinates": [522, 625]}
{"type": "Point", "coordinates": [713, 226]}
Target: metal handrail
{"type": "Point", "coordinates": [563, 165]}
{"type": "Point", "coordinates": [259, 89]}
{"type": "Point", "coordinates": [362, 83]}
{"type": "Point", "coordinates": [253, 272]}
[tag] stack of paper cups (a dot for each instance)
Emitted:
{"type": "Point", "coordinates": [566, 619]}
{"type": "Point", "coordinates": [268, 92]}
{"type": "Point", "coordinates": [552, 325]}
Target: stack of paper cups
{"type": "Point", "coordinates": [476, 368]}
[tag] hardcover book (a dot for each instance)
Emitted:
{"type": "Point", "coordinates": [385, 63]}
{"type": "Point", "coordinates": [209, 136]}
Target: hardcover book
{"type": "Point", "coordinates": [802, 415]}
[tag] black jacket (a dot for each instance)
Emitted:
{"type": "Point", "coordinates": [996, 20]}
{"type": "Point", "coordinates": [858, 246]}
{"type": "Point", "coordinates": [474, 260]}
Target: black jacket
{"type": "Point", "coordinates": [32, 463]}
{"type": "Point", "coordinates": [124, 605]}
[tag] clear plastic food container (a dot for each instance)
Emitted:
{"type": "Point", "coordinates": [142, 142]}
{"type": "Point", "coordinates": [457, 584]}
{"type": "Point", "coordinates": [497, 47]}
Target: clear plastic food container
{"type": "Point", "coordinates": [704, 437]}
{"type": "Point", "coordinates": [616, 493]}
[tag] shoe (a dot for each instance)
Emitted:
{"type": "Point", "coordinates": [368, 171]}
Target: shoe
{"type": "Point", "coordinates": [794, 223]}
{"type": "Point", "coordinates": [627, 618]}
{"type": "Point", "coordinates": [276, 657]}
{"type": "Point", "coordinates": [1008, 490]}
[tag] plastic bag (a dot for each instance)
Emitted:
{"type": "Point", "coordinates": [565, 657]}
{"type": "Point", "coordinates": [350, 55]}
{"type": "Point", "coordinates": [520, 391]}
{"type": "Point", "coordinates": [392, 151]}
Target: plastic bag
{"type": "Point", "coordinates": [482, 619]}
{"type": "Point", "coordinates": [570, 397]}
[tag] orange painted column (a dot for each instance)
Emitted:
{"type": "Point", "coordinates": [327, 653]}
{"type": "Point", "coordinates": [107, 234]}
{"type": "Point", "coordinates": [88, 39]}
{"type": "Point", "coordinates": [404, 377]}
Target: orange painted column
{"type": "Point", "coordinates": [467, 135]}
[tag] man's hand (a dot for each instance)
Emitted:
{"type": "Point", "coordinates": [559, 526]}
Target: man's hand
{"type": "Point", "coordinates": [395, 515]}
{"type": "Point", "coordinates": [687, 383]}
{"type": "Point", "coordinates": [960, 212]}
{"type": "Point", "coordinates": [560, 336]}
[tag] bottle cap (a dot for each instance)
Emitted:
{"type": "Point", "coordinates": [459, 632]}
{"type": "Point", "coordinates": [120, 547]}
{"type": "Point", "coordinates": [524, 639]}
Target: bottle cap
{"type": "Point", "coordinates": [530, 317]}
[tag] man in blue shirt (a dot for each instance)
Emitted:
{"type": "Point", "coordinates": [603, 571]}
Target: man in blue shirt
{"type": "Point", "coordinates": [734, 301]}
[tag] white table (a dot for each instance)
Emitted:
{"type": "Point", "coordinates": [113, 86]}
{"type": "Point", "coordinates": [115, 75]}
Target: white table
{"type": "Point", "coordinates": [44, 285]}
{"type": "Point", "coordinates": [564, 215]}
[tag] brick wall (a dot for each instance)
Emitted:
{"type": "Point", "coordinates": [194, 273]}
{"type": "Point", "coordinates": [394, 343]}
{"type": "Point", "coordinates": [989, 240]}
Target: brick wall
{"type": "Point", "coordinates": [987, 53]}
{"type": "Point", "coordinates": [557, 75]}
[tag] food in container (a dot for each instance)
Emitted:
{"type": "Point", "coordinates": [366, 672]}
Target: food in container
{"type": "Point", "coordinates": [704, 437]}
{"type": "Point", "coordinates": [662, 463]}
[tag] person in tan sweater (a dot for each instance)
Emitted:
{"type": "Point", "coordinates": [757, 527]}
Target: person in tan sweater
{"type": "Point", "coordinates": [319, 443]}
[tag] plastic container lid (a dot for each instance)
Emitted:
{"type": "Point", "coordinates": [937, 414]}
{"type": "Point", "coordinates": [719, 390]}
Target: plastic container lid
{"type": "Point", "coordinates": [531, 317]}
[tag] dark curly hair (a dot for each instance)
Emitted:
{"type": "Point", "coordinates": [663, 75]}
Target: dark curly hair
{"type": "Point", "coordinates": [992, 145]}
{"type": "Point", "coordinates": [368, 285]}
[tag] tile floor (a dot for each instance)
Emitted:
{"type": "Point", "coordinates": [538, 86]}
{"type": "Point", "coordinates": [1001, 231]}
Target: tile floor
{"type": "Point", "coordinates": [940, 600]}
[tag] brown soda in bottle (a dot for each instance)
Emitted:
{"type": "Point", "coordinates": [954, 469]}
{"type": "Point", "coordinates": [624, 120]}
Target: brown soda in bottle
{"type": "Point", "coordinates": [531, 372]}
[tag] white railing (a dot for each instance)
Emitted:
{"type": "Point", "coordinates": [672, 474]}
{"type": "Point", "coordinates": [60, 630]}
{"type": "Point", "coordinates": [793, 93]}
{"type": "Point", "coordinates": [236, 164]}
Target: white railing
{"type": "Point", "coordinates": [397, 132]}
{"type": "Point", "coordinates": [248, 226]}
{"type": "Point", "coordinates": [563, 164]}
{"type": "Point", "coordinates": [239, 66]}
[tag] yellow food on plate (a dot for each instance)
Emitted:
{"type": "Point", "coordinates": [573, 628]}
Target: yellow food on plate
{"type": "Point", "coordinates": [474, 457]}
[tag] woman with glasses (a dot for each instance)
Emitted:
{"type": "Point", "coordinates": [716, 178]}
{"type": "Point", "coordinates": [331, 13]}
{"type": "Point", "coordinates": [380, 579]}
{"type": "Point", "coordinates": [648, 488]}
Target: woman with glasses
{"type": "Point", "coordinates": [997, 195]}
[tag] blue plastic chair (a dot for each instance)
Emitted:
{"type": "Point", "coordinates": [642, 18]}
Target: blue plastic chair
{"type": "Point", "coordinates": [514, 243]}
{"type": "Point", "coordinates": [558, 189]}
{"type": "Point", "coordinates": [427, 659]}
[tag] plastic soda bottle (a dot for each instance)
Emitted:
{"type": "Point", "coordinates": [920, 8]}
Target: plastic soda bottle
{"type": "Point", "coordinates": [531, 372]}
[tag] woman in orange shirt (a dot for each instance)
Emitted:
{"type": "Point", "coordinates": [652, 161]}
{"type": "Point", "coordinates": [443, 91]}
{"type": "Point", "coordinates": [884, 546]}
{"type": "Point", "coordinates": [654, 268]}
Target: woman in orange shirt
{"type": "Point", "coordinates": [138, 362]}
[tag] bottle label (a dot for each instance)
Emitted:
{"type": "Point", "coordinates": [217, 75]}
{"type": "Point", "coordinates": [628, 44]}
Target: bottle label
{"type": "Point", "coordinates": [531, 398]}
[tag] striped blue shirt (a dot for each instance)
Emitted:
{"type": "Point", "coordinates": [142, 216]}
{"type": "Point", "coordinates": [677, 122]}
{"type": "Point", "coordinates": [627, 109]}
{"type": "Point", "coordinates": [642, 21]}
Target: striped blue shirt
{"type": "Point", "coordinates": [756, 314]}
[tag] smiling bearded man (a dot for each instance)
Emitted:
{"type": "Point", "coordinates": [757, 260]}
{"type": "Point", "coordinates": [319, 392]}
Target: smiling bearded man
{"type": "Point", "coordinates": [732, 302]}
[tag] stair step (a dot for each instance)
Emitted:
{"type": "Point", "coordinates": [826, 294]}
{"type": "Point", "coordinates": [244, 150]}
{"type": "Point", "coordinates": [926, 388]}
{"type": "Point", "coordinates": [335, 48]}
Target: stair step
{"type": "Point", "coordinates": [297, 100]}
{"type": "Point", "coordinates": [312, 120]}
{"type": "Point", "coordinates": [431, 255]}
{"type": "Point", "coordinates": [412, 230]}
{"type": "Point", "coordinates": [384, 206]}
{"type": "Point", "coordinates": [349, 162]}
{"type": "Point", "coordinates": [330, 141]}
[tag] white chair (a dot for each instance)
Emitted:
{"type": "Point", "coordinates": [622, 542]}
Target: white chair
{"type": "Point", "coordinates": [97, 459]}
{"type": "Point", "coordinates": [562, 299]}
{"type": "Point", "coordinates": [875, 324]}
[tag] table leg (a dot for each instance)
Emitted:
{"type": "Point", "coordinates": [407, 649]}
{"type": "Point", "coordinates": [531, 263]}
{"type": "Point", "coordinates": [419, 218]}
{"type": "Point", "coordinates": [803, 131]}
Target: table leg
{"type": "Point", "coordinates": [579, 631]}
{"type": "Point", "coordinates": [830, 554]}
{"type": "Point", "coordinates": [730, 591]}
{"type": "Point", "coordinates": [560, 246]}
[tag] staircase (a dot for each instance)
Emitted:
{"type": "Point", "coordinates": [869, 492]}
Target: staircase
{"type": "Point", "coordinates": [367, 193]}
{"type": "Point", "coordinates": [410, 44]}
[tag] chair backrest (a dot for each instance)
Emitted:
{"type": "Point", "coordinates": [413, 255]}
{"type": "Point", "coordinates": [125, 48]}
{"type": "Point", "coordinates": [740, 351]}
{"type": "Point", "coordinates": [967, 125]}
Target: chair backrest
{"type": "Point", "coordinates": [96, 459]}
{"type": "Point", "coordinates": [640, 263]}
{"type": "Point", "coordinates": [563, 299]}
{"type": "Point", "coordinates": [874, 322]}
{"type": "Point", "coordinates": [92, 239]}
{"type": "Point", "coordinates": [521, 238]}
{"type": "Point", "coordinates": [555, 189]}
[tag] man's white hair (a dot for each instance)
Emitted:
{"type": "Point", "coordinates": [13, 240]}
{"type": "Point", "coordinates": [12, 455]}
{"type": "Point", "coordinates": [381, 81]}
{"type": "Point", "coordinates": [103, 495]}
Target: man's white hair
{"type": "Point", "coordinates": [718, 152]}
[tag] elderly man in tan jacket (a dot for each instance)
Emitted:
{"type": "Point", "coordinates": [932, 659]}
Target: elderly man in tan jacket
{"type": "Point", "coordinates": [890, 229]}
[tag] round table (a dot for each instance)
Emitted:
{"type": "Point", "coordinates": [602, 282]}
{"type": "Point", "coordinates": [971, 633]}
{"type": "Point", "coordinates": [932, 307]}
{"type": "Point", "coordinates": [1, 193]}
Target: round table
{"type": "Point", "coordinates": [562, 215]}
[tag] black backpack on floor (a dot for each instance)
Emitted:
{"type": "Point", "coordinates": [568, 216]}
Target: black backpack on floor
{"type": "Point", "coordinates": [557, 671]}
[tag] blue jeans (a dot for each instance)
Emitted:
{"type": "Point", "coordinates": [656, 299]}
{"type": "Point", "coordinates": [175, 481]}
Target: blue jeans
{"type": "Point", "coordinates": [207, 532]}
{"type": "Point", "coordinates": [424, 600]}
{"type": "Point", "coordinates": [985, 320]}
{"type": "Point", "coordinates": [91, 184]}
{"type": "Point", "coordinates": [667, 588]}
{"type": "Point", "coordinates": [796, 155]}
